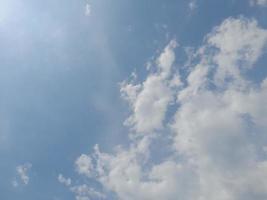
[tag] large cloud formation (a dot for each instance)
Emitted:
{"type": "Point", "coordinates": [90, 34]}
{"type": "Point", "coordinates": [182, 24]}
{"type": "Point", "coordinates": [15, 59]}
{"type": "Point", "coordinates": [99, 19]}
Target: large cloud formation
{"type": "Point", "coordinates": [208, 120]}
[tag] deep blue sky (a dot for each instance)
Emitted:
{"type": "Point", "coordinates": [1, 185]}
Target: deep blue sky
{"type": "Point", "coordinates": [59, 75]}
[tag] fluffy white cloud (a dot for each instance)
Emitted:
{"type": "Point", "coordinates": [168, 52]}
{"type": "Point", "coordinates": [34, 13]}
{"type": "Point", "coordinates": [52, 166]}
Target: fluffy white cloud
{"type": "Point", "coordinates": [239, 43]}
{"type": "Point", "coordinates": [149, 100]}
{"type": "Point", "coordinates": [166, 59]}
{"type": "Point", "coordinates": [22, 172]}
{"type": "Point", "coordinates": [84, 165]}
{"type": "Point", "coordinates": [63, 180]}
{"type": "Point", "coordinates": [218, 129]}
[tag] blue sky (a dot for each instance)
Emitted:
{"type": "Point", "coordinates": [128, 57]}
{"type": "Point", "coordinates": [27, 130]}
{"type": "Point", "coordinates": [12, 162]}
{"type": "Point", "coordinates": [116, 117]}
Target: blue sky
{"type": "Point", "coordinates": [66, 85]}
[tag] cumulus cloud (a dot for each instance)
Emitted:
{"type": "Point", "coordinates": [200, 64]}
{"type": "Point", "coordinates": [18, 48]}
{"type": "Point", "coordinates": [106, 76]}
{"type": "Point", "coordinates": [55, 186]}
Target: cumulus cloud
{"type": "Point", "coordinates": [149, 100]}
{"type": "Point", "coordinates": [217, 127]}
{"type": "Point", "coordinates": [240, 43]}
{"type": "Point", "coordinates": [84, 165]}
{"type": "Point", "coordinates": [22, 173]}
{"type": "Point", "coordinates": [63, 180]}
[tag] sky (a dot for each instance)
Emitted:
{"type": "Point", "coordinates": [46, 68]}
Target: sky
{"type": "Point", "coordinates": [133, 100]}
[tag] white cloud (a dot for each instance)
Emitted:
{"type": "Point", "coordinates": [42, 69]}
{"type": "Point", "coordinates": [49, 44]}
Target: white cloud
{"type": "Point", "coordinates": [149, 100]}
{"type": "Point", "coordinates": [88, 9]}
{"type": "Point", "coordinates": [22, 172]}
{"type": "Point", "coordinates": [83, 192]}
{"type": "Point", "coordinates": [240, 43]}
{"type": "Point", "coordinates": [212, 126]}
{"type": "Point", "coordinates": [166, 59]}
{"type": "Point", "coordinates": [150, 105]}
{"type": "Point", "coordinates": [218, 129]}
{"type": "Point", "coordinates": [84, 165]}
{"type": "Point", "coordinates": [63, 180]}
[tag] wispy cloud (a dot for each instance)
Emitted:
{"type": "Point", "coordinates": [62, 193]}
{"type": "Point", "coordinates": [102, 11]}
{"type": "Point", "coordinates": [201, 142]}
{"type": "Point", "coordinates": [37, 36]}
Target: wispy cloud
{"type": "Point", "coordinates": [258, 2]}
{"type": "Point", "coordinates": [22, 173]}
{"type": "Point", "coordinates": [88, 9]}
{"type": "Point", "coordinates": [192, 5]}
{"type": "Point", "coordinates": [84, 192]}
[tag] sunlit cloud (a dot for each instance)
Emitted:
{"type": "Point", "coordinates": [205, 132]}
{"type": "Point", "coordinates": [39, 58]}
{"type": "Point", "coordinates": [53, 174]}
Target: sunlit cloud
{"type": "Point", "coordinates": [213, 155]}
